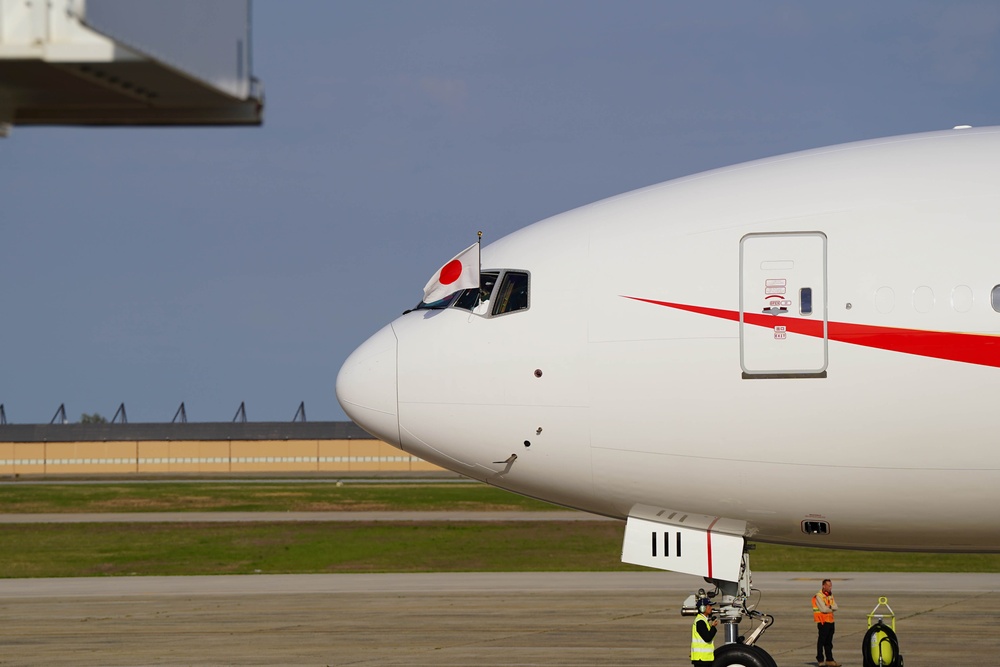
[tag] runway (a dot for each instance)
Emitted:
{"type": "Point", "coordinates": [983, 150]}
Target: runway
{"type": "Point", "coordinates": [481, 619]}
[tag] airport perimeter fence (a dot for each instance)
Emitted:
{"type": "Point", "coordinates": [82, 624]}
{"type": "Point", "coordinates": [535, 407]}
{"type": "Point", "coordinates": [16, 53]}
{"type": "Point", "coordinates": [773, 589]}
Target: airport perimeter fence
{"type": "Point", "coordinates": [199, 448]}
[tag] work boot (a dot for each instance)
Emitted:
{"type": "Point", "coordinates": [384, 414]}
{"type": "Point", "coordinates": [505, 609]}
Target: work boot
{"type": "Point", "coordinates": [832, 663]}
{"type": "Point", "coordinates": [820, 663]}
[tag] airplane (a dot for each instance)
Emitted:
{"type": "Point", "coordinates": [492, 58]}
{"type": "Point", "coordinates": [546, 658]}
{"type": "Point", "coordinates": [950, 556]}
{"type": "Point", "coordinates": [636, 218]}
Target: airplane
{"type": "Point", "coordinates": [799, 350]}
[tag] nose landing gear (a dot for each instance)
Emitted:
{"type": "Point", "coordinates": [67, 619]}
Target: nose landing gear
{"type": "Point", "coordinates": [731, 607]}
{"type": "Point", "coordinates": [741, 655]}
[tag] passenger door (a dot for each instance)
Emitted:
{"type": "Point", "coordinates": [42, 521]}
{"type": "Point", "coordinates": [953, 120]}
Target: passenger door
{"type": "Point", "coordinates": [783, 328]}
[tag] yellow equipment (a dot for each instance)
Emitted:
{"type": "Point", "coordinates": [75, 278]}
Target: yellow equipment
{"type": "Point", "coordinates": [880, 648]}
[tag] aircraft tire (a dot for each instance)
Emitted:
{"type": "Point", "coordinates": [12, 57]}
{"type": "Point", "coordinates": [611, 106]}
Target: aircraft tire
{"type": "Point", "coordinates": [880, 638]}
{"type": "Point", "coordinates": [741, 655]}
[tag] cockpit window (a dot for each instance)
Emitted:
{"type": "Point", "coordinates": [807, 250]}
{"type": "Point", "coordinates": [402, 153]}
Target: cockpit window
{"type": "Point", "coordinates": [512, 294]}
{"type": "Point", "coordinates": [499, 292]}
{"type": "Point", "coordinates": [476, 300]}
{"type": "Point", "coordinates": [439, 304]}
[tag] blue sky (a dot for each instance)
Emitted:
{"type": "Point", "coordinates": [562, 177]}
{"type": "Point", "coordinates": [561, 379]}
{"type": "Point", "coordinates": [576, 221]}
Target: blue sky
{"type": "Point", "coordinates": [220, 266]}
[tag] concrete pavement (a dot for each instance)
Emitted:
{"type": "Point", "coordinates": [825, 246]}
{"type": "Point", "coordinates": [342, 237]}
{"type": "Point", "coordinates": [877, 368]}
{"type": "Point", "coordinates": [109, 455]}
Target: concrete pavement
{"type": "Point", "coordinates": [482, 619]}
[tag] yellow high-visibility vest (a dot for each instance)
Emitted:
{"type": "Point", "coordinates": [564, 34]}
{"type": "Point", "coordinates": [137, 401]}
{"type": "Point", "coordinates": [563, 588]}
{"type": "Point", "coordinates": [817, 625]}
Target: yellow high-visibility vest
{"type": "Point", "coordinates": [701, 649]}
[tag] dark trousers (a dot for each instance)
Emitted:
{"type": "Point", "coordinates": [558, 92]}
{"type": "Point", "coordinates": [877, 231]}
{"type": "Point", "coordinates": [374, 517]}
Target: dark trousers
{"type": "Point", "coordinates": [824, 641]}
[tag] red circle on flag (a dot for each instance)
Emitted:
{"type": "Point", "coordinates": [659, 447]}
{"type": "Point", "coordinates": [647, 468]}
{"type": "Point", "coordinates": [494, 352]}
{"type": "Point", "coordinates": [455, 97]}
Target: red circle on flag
{"type": "Point", "coordinates": [450, 272]}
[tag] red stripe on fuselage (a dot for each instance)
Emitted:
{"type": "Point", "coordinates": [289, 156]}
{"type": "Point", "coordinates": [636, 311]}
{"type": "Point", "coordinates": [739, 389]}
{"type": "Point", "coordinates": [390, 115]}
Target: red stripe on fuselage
{"type": "Point", "coordinates": [708, 536]}
{"type": "Point", "coordinates": [980, 349]}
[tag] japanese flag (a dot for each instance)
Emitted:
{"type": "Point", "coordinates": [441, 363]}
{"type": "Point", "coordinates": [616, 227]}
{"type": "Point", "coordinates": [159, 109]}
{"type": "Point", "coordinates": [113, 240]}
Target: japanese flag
{"type": "Point", "coordinates": [462, 272]}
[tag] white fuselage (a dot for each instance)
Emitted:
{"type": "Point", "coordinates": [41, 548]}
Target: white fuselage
{"type": "Point", "coordinates": [648, 369]}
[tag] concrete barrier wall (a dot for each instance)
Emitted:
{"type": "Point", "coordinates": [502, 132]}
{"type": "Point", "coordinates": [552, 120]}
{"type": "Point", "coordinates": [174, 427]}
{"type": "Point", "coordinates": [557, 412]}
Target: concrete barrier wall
{"type": "Point", "coordinates": [205, 456]}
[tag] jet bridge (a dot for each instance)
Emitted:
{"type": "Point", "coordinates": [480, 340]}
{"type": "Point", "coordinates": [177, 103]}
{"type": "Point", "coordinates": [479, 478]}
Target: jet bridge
{"type": "Point", "coordinates": [127, 62]}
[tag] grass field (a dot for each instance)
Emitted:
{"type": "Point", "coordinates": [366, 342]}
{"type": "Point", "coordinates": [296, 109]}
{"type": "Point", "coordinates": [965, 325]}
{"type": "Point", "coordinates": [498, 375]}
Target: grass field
{"type": "Point", "coordinates": [23, 497]}
{"type": "Point", "coordinates": [70, 550]}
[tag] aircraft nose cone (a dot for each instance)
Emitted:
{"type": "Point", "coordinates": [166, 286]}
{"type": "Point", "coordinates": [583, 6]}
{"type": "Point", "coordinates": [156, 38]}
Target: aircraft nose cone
{"type": "Point", "coordinates": [366, 386]}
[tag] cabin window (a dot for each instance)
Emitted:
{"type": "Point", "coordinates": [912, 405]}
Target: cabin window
{"type": "Point", "coordinates": [995, 298]}
{"type": "Point", "coordinates": [512, 295]}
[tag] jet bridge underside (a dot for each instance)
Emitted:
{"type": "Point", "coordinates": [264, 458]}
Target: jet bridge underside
{"type": "Point", "coordinates": [127, 62]}
{"type": "Point", "coordinates": [36, 92]}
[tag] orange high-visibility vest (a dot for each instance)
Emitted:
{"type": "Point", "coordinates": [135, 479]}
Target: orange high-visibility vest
{"type": "Point", "coordinates": [819, 616]}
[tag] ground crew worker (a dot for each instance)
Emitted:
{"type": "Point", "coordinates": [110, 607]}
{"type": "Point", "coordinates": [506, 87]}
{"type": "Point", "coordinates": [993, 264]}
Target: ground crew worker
{"type": "Point", "coordinates": [823, 607]}
{"type": "Point", "coordinates": [702, 635]}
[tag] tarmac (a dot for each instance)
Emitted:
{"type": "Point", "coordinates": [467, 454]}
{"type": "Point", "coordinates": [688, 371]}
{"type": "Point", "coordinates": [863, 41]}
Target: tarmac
{"type": "Point", "coordinates": [468, 619]}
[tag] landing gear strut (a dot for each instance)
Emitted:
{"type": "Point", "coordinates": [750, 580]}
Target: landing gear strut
{"type": "Point", "coordinates": [730, 605]}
